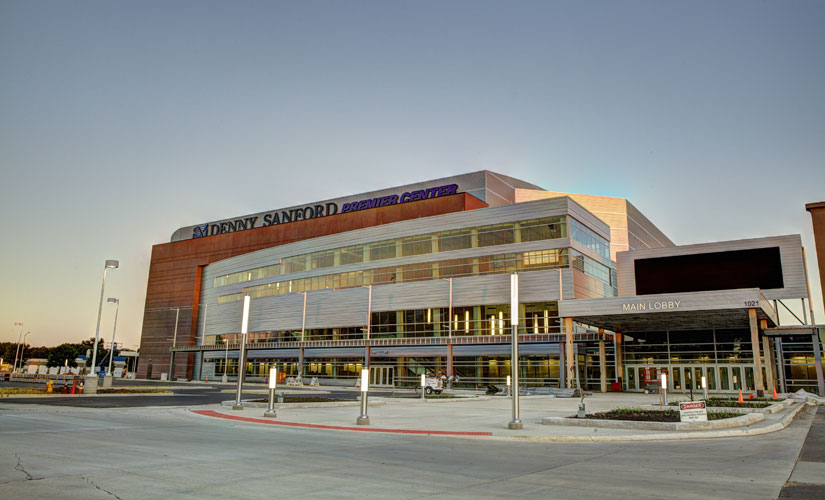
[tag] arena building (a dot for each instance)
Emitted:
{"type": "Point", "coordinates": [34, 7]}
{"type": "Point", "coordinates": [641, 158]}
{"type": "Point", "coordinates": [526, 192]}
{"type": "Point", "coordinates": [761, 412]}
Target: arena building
{"type": "Point", "coordinates": [416, 279]}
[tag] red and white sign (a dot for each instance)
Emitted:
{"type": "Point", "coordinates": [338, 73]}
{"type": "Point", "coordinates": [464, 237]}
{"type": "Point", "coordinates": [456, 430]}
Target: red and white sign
{"type": "Point", "coordinates": [693, 411]}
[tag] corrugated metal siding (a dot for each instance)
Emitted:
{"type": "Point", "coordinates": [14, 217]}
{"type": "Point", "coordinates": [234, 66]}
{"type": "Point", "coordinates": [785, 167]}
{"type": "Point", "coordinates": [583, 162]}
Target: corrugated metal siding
{"type": "Point", "coordinates": [348, 307]}
{"type": "Point", "coordinates": [337, 308]}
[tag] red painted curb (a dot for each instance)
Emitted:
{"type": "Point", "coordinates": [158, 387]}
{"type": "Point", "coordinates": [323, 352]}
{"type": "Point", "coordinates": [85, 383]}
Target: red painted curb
{"type": "Point", "coordinates": [212, 413]}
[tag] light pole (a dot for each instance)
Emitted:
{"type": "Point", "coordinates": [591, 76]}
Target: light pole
{"type": "Point", "coordinates": [115, 301]}
{"type": "Point", "coordinates": [17, 351]}
{"type": "Point", "coordinates": [174, 340]}
{"type": "Point", "coordinates": [91, 380]}
{"type": "Point", "coordinates": [516, 423]}
{"type": "Point", "coordinates": [23, 348]}
{"type": "Point", "coordinates": [369, 327]}
{"type": "Point", "coordinates": [225, 361]}
{"type": "Point", "coordinates": [242, 354]}
{"type": "Point", "coordinates": [364, 418]}
{"type": "Point", "coordinates": [450, 335]}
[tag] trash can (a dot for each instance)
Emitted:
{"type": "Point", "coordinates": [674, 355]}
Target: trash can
{"type": "Point", "coordinates": [615, 387]}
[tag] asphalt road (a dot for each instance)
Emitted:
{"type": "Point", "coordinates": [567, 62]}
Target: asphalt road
{"type": "Point", "coordinates": [142, 453]}
{"type": "Point", "coordinates": [185, 394]}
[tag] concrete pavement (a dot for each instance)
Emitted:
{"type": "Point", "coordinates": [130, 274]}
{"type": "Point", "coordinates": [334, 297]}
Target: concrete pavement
{"type": "Point", "coordinates": [808, 476]}
{"type": "Point", "coordinates": [146, 453]}
{"type": "Point", "coordinates": [488, 417]}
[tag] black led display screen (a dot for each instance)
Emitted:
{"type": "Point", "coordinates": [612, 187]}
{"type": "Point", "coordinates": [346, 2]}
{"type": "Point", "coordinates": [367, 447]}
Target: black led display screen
{"type": "Point", "coordinates": [755, 268]}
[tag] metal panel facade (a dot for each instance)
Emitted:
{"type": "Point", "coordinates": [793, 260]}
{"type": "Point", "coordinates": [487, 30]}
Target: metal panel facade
{"type": "Point", "coordinates": [790, 248]}
{"type": "Point", "coordinates": [348, 307]}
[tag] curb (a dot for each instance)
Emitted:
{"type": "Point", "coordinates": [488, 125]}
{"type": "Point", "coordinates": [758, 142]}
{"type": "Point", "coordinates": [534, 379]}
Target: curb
{"type": "Point", "coordinates": [670, 436]}
{"type": "Point", "coordinates": [329, 404]}
{"type": "Point", "coordinates": [770, 409]}
{"type": "Point", "coordinates": [215, 414]}
{"type": "Point", "coordinates": [459, 399]}
{"type": "Point", "coordinates": [61, 395]}
{"type": "Point", "coordinates": [725, 423]}
{"type": "Point", "coordinates": [673, 436]}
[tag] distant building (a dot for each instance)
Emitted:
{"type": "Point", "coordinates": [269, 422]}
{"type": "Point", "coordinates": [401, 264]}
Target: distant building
{"type": "Point", "coordinates": [817, 211]}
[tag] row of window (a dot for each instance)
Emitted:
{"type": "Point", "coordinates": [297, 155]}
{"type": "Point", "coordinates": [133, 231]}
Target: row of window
{"type": "Point", "coordinates": [606, 275]}
{"type": "Point", "coordinates": [499, 234]}
{"type": "Point", "coordinates": [590, 240]}
{"type": "Point", "coordinates": [474, 266]}
{"type": "Point", "coordinates": [471, 370]}
{"type": "Point", "coordinates": [534, 318]}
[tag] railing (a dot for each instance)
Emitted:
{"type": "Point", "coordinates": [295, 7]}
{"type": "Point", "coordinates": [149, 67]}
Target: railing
{"type": "Point", "coordinates": [412, 341]}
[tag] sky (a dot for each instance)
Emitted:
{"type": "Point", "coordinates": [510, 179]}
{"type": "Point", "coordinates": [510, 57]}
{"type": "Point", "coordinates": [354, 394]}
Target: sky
{"type": "Point", "coordinates": [123, 121]}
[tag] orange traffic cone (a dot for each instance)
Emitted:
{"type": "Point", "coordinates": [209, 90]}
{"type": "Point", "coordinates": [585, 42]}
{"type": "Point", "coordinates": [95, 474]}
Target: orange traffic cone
{"type": "Point", "coordinates": [740, 397]}
{"type": "Point", "coordinates": [775, 396]}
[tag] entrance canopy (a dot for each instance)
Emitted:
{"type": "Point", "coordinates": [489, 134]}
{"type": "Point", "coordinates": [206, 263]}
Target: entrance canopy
{"type": "Point", "coordinates": [671, 311]}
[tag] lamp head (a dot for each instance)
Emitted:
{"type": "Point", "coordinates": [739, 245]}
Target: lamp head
{"type": "Point", "coordinates": [112, 264]}
{"type": "Point", "coordinates": [112, 300]}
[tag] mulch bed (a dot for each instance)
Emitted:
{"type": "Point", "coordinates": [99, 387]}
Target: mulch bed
{"type": "Point", "coordinates": [639, 415]}
{"type": "Point", "coordinates": [733, 403]}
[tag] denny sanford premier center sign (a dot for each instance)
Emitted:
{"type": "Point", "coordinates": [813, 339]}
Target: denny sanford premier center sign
{"type": "Point", "coordinates": [314, 211]}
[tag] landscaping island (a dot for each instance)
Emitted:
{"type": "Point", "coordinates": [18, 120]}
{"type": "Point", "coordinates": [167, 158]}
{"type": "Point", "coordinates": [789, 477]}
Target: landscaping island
{"type": "Point", "coordinates": [642, 415]}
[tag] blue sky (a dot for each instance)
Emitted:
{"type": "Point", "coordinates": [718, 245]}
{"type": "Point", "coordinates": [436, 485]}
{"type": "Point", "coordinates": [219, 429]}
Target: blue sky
{"type": "Point", "coordinates": [122, 121]}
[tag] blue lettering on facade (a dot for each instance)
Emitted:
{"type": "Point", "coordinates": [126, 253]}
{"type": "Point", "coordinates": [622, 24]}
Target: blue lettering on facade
{"type": "Point", "coordinates": [317, 210]}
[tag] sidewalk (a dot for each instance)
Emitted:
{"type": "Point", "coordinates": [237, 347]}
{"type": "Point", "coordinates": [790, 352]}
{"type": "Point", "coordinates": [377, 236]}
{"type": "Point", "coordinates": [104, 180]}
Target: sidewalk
{"type": "Point", "coordinates": [484, 418]}
{"type": "Point", "coordinates": [807, 479]}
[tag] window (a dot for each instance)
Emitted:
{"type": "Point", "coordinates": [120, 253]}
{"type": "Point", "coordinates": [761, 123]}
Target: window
{"type": "Point", "coordinates": [590, 239]}
{"type": "Point", "coordinates": [418, 272]}
{"type": "Point", "coordinates": [323, 259]}
{"type": "Point", "coordinates": [455, 240]}
{"type": "Point", "coordinates": [294, 264]}
{"type": "Point", "coordinates": [352, 255]}
{"type": "Point", "coordinates": [416, 245]}
{"type": "Point", "coordinates": [543, 229]}
{"type": "Point", "coordinates": [382, 250]}
{"type": "Point", "coordinates": [500, 234]}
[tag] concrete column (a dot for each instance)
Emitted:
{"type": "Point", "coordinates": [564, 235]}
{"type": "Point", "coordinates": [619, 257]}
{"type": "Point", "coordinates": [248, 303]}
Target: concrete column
{"type": "Point", "coordinates": [617, 351]}
{"type": "Point", "coordinates": [449, 360]}
{"type": "Point", "coordinates": [602, 366]}
{"type": "Point", "coordinates": [568, 354]}
{"type": "Point", "coordinates": [780, 364]}
{"type": "Point", "coordinates": [562, 369]}
{"type": "Point", "coordinates": [769, 365]}
{"type": "Point", "coordinates": [757, 361]}
{"type": "Point", "coordinates": [200, 367]}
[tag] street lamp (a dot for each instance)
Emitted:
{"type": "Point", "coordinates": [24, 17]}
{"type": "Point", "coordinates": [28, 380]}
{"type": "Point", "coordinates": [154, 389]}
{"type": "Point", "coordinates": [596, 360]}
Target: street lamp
{"type": "Point", "coordinates": [516, 423]}
{"type": "Point", "coordinates": [242, 354]}
{"type": "Point", "coordinates": [450, 335]}
{"type": "Point", "coordinates": [115, 301]}
{"type": "Point", "coordinates": [23, 348]}
{"type": "Point", "coordinates": [174, 341]}
{"type": "Point", "coordinates": [225, 361]}
{"type": "Point", "coordinates": [91, 380]}
{"type": "Point", "coordinates": [17, 351]}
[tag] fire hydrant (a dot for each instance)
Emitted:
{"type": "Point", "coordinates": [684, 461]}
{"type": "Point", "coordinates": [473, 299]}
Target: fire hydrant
{"type": "Point", "coordinates": [49, 386]}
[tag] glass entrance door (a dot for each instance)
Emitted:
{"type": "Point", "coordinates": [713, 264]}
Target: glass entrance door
{"type": "Point", "coordinates": [681, 378]}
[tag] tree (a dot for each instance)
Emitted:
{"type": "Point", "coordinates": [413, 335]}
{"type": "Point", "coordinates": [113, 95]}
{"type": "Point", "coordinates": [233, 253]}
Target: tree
{"type": "Point", "coordinates": [7, 351]}
{"type": "Point", "coordinates": [58, 355]}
